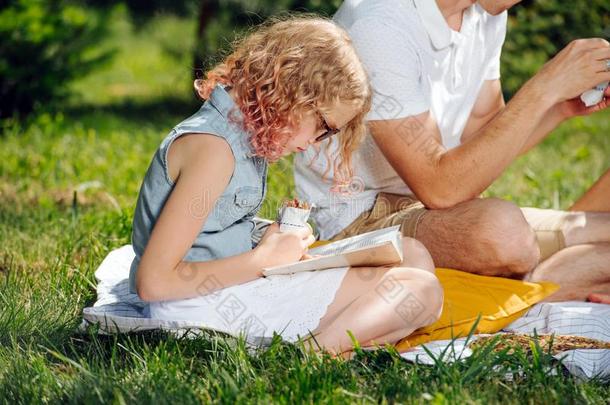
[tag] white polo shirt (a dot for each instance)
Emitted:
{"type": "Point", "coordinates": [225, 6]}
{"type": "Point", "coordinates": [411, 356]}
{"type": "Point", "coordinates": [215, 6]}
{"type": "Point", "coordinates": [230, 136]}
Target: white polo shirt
{"type": "Point", "coordinates": [416, 63]}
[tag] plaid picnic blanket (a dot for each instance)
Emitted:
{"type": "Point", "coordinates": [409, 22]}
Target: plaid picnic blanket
{"type": "Point", "coordinates": [118, 310]}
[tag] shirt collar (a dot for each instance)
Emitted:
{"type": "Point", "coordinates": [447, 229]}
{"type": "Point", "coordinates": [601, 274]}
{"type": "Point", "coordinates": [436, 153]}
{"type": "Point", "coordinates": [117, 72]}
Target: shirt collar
{"type": "Point", "coordinates": [434, 23]}
{"type": "Point", "coordinates": [222, 101]}
{"type": "Point", "coordinates": [436, 26]}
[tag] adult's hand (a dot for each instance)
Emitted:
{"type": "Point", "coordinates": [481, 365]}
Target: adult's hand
{"type": "Point", "coordinates": [580, 66]}
{"type": "Point", "coordinates": [575, 107]}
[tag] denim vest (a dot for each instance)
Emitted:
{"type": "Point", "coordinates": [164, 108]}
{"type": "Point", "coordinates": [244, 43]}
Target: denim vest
{"type": "Point", "coordinates": [228, 228]}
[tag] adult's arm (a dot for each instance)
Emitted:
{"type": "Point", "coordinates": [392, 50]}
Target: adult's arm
{"type": "Point", "coordinates": [561, 112]}
{"type": "Point", "coordinates": [442, 178]}
{"type": "Point", "coordinates": [596, 198]}
{"type": "Point", "coordinates": [490, 102]}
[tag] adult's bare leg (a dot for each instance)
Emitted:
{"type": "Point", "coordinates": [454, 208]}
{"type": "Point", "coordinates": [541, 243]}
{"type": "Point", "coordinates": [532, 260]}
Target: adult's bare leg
{"type": "Point", "coordinates": [582, 271]}
{"type": "Point", "coordinates": [577, 227]}
{"type": "Point", "coordinates": [582, 268]}
{"type": "Point", "coordinates": [587, 227]}
{"type": "Point", "coordinates": [599, 298]}
{"type": "Point", "coordinates": [485, 236]}
{"type": "Point", "coordinates": [597, 198]}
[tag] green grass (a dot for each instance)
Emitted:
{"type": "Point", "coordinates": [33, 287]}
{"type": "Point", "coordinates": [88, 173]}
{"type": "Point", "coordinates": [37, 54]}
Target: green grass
{"type": "Point", "coordinates": [68, 185]}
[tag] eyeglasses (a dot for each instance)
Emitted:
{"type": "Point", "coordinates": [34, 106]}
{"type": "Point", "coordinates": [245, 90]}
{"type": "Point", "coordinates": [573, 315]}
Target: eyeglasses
{"type": "Point", "coordinates": [328, 130]}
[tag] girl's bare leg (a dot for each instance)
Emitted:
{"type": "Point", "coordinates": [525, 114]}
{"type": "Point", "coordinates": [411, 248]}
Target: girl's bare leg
{"type": "Point", "coordinates": [382, 305]}
{"type": "Point", "coordinates": [361, 279]}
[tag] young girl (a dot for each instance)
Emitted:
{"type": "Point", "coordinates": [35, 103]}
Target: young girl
{"type": "Point", "coordinates": [285, 87]}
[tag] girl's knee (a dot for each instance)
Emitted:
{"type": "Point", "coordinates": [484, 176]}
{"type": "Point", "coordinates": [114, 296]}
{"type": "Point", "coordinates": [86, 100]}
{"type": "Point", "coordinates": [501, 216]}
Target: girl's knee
{"type": "Point", "coordinates": [416, 255]}
{"type": "Point", "coordinates": [430, 292]}
{"type": "Point", "coordinates": [433, 297]}
{"type": "Point", "coordinates": [414, 275]}
{"type": "Point", "coordinates": [418, 294]}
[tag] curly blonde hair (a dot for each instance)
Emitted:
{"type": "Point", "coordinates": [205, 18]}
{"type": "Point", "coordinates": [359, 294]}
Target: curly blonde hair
{"type": "Point", "coordinates": [287, 68]}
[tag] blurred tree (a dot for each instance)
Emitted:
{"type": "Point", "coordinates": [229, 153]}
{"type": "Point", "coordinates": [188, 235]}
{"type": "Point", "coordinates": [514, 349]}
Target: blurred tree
{"type": "Point", "coordinates": [45, 44]}
{"type": "Point", "coordinates": [220, 21]}
{"type": "Point", "coordinates": [538, 29]}
{"type": "Point", "coordinates": [142, 11]}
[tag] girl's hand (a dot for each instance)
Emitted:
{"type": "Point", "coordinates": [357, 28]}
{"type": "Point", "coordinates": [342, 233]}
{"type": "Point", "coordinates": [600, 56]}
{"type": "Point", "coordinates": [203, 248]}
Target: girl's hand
{"type": "Point", "coordinates": [307, 256]}
{"type": "Point", "coordinates": [277, 248]}
{"type": "Point", "coordinates": [271, 229]}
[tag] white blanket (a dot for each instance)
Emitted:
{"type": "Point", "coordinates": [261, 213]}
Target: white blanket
{"type": "Point", "coordinates": [118, 310]}
{"type": "Point", "coordinates": [559, 318]}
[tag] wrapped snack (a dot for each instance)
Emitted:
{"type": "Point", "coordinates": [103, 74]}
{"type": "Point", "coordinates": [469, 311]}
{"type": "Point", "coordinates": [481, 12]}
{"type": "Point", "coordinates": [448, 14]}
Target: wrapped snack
{"type": "Point", "coordinates": [293, 215]}
{"type": "Point", "coordinates": [595, 95]}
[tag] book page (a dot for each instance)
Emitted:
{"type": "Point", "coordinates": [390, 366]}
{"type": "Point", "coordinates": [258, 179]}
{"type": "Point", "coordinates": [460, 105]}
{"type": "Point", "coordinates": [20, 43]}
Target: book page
{"type": "Point", "coordinates": [378, 255]}
{"type": "Point", "coordinates": [357, 242]}
{"type": "Point", "coordinates": [375, 248]}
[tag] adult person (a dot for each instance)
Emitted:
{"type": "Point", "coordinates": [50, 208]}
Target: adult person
{"type": "Point", "coordinates": [441, 133]}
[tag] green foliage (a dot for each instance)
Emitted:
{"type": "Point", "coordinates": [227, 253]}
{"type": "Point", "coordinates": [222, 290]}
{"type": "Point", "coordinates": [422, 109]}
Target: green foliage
{"type": "Point", "coordinates": [68, 187]}
{"type": "Point", "coordinates": [45, 44]}
{"type": "Point", "coordinates": [215, 16]}
{"type": "Point", "coordinates": [538, 29]}
{"type": "Point", "coordinates": [142, 12]}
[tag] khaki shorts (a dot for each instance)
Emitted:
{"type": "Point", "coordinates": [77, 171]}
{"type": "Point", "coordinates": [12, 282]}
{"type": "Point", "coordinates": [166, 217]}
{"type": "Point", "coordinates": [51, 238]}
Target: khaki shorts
{"type": "Point", "coordinates": [407, 211]}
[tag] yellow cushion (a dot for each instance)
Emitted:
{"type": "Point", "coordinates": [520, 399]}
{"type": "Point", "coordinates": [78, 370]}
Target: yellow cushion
{"type": "Point", "coordinates": [498, 301]}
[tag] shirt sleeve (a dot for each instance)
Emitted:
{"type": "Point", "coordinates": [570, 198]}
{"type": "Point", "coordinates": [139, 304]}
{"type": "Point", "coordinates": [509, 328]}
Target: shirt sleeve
{"type": "Point", "coordinates": [393, 67]}
{"type": "Point", "coordinates": [497, 34]}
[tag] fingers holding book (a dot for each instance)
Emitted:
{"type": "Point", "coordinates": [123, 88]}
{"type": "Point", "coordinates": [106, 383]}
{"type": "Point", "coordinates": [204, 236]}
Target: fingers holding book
{"type": "Point", "coordinates": [278, 248]}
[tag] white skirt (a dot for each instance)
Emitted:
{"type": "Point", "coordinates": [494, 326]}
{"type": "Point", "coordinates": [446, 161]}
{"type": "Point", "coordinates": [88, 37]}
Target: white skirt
{"type": "Point", "coordinates": [290, 305]}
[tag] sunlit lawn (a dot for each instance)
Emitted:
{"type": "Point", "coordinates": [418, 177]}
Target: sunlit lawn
{"type": "Point", "coordinates": [68, 185]}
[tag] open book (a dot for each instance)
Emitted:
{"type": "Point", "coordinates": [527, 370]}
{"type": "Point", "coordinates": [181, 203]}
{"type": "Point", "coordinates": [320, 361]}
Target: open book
{"type": "Point", "coordinates": [376, 248]}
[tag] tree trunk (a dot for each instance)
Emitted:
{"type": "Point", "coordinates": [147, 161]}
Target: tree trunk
{"type": "Point", "coordinates": [207, 11]}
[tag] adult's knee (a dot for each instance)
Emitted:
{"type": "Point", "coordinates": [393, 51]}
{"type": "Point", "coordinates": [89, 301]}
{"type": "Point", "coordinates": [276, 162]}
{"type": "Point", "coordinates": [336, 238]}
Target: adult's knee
{"type": "Point", "coordinates": [508, 239]}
